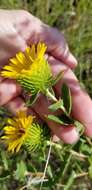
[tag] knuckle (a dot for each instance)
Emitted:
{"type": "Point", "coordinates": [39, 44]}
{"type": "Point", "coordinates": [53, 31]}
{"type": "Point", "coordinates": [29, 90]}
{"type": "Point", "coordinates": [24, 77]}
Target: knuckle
{"type": "Point", "coordinates": [25, 14]}
{"type": "Point", "coordinates": [29, 18]}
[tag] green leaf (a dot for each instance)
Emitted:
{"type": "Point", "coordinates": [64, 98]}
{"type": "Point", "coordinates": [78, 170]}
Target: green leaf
{"type": "Point", "coordinates": [32, 100]}
{"type": "Point", "coordinates": [66, 119]}
{"type": "Point", "coordinates": [67, 99]}
{"type": "Point", "coordinates": [4, 112]}
{"type": "Point", "coordinates": [62, 119]}
{"type": "Point", "coordinates": [5, 160]}
{"type": "Point", "coordinates": [55, 119]}
{"type": "Point", "coordinates": [70, 180]}
{"type": "Point", "coordinates": [90, 171]}
{"type": "Point", "coordinates": [57, 105]}
{"type": "Point", "coordinates": [20, 171]}
{"type": "Point", "coordinates": [58, 77]}
{"type": "Point", "coordinates": [80, 127]}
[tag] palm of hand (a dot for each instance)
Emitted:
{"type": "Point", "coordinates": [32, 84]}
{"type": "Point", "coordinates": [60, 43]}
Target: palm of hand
{"type": "Point", "coordinates": [22, 29]}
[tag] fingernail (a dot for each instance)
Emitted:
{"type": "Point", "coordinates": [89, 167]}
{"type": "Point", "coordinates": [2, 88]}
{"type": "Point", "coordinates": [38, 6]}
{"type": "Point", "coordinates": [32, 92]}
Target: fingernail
{"type": "Point", "coordinates": [55, 138]}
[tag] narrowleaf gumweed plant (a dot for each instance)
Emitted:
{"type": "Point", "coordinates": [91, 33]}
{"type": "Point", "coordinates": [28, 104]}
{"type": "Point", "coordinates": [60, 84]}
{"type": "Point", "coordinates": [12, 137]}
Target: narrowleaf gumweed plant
{"type": "Point", "coordinates": [32, 71]}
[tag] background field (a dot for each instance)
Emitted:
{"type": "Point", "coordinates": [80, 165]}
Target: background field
{"type": "Point", "coordinates": [70, 167]}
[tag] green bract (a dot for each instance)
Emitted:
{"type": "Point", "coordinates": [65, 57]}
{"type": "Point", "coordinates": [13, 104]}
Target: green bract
{"type": "Point", "coordinates": [37, 80]}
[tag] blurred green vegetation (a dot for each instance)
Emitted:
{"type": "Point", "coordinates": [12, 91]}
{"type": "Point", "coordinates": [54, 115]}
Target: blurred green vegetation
{"type": "Point", "coordinates": [70, 167]}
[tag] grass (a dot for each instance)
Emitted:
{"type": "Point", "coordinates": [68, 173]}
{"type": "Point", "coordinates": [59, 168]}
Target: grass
{"type": "Point", "coordinates": [70, 166]}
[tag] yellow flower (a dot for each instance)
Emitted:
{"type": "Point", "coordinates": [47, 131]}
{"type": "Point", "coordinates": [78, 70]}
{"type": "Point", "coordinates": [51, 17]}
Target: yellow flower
{"type": "Point", "coordinates": [17, 131]}
{"type": "Point", "coordinates": [30, 69]}
{"type": "Point", "coordinates": [23, 61]}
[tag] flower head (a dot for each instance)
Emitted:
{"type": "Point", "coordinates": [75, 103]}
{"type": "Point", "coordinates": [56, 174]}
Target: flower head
{"type": "Point", "coordinates": [17, 131]}
{"type": "Point", "coordinates": [22, 130]}
{"type": "Point", "coordinates": [23, 61]}
{"type": "Point", "coordinates": [31, 69]}
{"type": "Point", "coordinates": [38, 78]}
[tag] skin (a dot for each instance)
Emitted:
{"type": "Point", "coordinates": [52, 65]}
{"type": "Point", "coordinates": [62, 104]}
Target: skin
{"type": "Point", "coordinates": [18, 29]}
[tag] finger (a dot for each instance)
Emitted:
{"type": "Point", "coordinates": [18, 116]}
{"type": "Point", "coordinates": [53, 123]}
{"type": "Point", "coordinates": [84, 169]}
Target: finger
{"type": "Point", "coordinates": [1, 79]}
{"type": "Point", "coordinates": [37, 31]}
{"type": "Point", "coordinates": [31, 30]}
{"type": "Point", "coordinates": [57, 45]}
{"type": "Point", "coordinates": [67, 134]}
{"type": "Point", "coordinates": [8, 90]}
{"type": "Point", "coordinates": [10, 45]}
{"type": "Point", "coordinates": [82, 103]}
{"type": "Point", "coordinates": [17, 104]}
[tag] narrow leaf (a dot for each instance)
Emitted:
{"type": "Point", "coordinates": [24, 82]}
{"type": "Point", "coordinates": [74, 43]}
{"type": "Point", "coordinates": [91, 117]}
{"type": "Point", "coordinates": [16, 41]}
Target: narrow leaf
{"type": "Point", "coordinates": [52, 91]}
{"type": "Point", "coordinates": [32, 100]}
{"type": "Point", "coordinates": [57, 105]}
{"type": "Point", "coordinates": [55, 119]}
{"type": "Point", "coordinates": [66, 119]}
{"type": "Point", "coordinates": [67, 99]}
{"type": "Point", "coordinates": [58, 77]}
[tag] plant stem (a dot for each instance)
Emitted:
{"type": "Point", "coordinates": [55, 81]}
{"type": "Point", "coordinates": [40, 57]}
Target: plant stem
{"type": "Point", "coordinates": [48, 157]}
{"type": "Point", "coordinates": [50, 95]}
{"type": "Point", "coordinates": [67, 165]}
{"type": "Point", "coordinates": [70, 181]}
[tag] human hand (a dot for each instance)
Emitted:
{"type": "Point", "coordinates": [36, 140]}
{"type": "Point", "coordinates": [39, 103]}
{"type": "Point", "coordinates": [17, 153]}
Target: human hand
{"type": "Point", "coordinates": [22, 29]}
